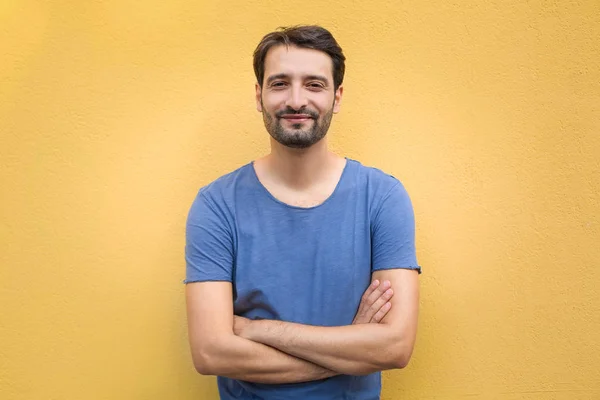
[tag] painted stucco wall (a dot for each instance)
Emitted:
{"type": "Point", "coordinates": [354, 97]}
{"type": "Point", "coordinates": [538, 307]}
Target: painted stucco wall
{"type": "Point", "coordinates": [114, 113]}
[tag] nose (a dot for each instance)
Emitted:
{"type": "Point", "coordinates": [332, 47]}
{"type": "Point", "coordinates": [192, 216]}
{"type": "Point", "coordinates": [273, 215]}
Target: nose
{"type": "Point", "coordinates": [296, 98]}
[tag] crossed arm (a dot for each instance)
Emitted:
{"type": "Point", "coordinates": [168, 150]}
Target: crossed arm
{"type": "Point", "coordinates": [216, 350]}
{"type": "Point", "coordinates": [282, 352]}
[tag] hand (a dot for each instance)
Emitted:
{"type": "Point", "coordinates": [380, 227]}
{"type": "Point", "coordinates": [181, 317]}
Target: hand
{"type": "Point", "coordinates": [239, 323]}
{"type": "Point", "coordinates": [374, 304]}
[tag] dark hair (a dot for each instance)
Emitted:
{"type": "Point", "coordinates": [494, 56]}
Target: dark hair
{"type": "Point", "coordinates": [303, 36]}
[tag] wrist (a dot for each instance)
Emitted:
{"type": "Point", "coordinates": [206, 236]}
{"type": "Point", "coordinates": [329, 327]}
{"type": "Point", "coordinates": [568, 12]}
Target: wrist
{"type": "Point", "coordinates": [246, 332]}
{"type": "Point", "coordinates": [260, 330]}
{"type": "Point", "coordinates": [249, 329]}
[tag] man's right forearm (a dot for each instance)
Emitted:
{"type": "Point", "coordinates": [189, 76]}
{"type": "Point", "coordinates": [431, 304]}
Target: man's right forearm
{"type": "Point", "coordinates": [238, 358]}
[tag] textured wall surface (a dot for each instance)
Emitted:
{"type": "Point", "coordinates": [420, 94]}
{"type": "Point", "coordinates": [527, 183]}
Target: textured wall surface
{"type": "Point", "coordinates": [114, 113]}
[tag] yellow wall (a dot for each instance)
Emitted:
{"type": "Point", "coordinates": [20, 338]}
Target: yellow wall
{"type": "Point", "coordinates": [113, 114]}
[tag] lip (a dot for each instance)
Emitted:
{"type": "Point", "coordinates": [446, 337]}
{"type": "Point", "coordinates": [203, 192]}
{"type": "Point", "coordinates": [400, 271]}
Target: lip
{"type": "Point", "coordinates": [297, 117]}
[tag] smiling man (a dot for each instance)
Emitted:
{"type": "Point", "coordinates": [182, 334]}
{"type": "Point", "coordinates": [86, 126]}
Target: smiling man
{"type": "Point", "coordinates": [302, 278]}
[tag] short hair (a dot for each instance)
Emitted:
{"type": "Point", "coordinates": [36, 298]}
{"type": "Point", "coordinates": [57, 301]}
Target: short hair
{"type": "Point", "coordinates": [303, 36]}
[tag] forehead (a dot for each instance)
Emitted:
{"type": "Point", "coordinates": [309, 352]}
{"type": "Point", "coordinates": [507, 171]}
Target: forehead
{"type": "Point", "coordinates": [295, 61]}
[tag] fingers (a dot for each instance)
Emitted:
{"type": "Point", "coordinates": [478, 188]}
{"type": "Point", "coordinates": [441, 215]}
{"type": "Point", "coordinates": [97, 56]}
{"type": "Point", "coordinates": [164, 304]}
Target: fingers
{"type": "Point", "coordinates": [374, 300]}
{"type": "Point", "coordinates": [369, 290]}
{"type": "Point", "coordinates": [377, 293]}
{"type": "Point", "coordinates": [379, 315]}
{"type": "Point", "coordinates": [381, 306]}
{"type": "Point", "coordinates": [364, 303]}
{"type": "Point", "coordinates": [374, 304]}
{"type": "Point", "coordinates": [363, 307]}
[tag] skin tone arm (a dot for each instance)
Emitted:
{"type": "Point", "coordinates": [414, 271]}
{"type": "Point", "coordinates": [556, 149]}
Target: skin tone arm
{"type": "Point", "coordinates": [354, 349]}
{"type": "Point", "coordinates": [216, 350]}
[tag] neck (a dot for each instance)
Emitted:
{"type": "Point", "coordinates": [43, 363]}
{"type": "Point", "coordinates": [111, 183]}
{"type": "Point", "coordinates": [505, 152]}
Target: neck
{"type": "Point", "coordinates": [300, 168]}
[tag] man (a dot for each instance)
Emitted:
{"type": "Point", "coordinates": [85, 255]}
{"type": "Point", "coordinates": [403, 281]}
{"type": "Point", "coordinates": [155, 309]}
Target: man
{"type": "Point", "coordinates": [282, 252]}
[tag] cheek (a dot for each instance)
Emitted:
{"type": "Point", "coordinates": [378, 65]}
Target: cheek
{"type": "Point", "coordinates": [326, 105]}
{"type": "Point", "coordinates": [273, 97]}
{"type": "Point", "coordinates": [269, 110]}
{"type": "Point", "coordinates": [276, 99]}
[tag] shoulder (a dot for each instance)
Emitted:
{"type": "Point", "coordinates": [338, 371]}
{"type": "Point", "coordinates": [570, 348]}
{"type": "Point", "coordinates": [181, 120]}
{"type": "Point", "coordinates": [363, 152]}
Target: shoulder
{"type": "Point", "coordinates": [223, 188]}
{"type": "Point", "coordinates": [219, 195]}
{"type": "Point", "coordinates": [378, 184]}
{"type": "Point", "coordinates": [225, 184]}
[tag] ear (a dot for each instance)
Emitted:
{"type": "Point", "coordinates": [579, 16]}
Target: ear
{"type": "Point", "coordinates": [258, 97]}
{"type": "Point", "coordinates": [337, 102]}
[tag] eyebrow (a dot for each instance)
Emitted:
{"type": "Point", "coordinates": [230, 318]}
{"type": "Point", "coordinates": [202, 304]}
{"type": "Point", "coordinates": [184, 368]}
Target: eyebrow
{"type": "Point", "coordinates": [308, 77]}
{"type": "Point", "coordinates": [318, 78]}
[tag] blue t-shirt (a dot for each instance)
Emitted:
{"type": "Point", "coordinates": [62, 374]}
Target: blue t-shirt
{"type": "Point", "coordinates": [304, 265]}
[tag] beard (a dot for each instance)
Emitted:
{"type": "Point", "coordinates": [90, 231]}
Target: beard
{"type": "Point", "coordinates": [298, 137]}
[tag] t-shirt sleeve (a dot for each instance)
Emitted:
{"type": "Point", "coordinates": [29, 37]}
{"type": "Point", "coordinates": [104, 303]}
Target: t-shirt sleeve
{"type": "Point", "coordinates": [209, 243]}
{"type": "Point", "coordinates": [393, 232]}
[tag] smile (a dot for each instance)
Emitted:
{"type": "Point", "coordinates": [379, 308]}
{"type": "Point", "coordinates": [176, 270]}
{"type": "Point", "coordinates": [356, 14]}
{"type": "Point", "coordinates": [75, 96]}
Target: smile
{"type": "Point", "coordinates": [297, 118]}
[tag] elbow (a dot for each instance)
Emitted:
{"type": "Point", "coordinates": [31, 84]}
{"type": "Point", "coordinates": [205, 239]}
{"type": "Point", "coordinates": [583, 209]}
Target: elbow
{"type": "Point", "coordinates": [208, 354]}
{"type": "Point", "coordinates": [202, 363]}
{"type": "Point", "coordinates": [400, 355]}
{"type": "Point", "coordinates": [204, 357]}
{"type": "Point", "coordinates": [400, 361]}
{"type": "Point", "coordinates": [203, 369]}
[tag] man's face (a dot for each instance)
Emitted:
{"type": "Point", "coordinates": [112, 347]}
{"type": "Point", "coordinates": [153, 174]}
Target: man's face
{"type": "Point", "coordinates": [297, 98]}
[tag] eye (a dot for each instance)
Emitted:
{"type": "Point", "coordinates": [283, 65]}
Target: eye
{"type": "Point", "coordinates": [278, 84]}
{"type": "Point", "coordinates": [316, 86]}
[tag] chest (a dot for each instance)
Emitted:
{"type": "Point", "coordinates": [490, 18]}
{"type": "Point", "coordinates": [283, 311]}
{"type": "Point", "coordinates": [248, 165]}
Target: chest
{"type": "Point", "coordinates": [301, 265]}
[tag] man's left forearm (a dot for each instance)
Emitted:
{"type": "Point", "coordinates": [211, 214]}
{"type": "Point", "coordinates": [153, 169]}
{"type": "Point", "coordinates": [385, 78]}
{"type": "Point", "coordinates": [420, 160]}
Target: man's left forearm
{"type": "Point", "coordinates": [353, 349]}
